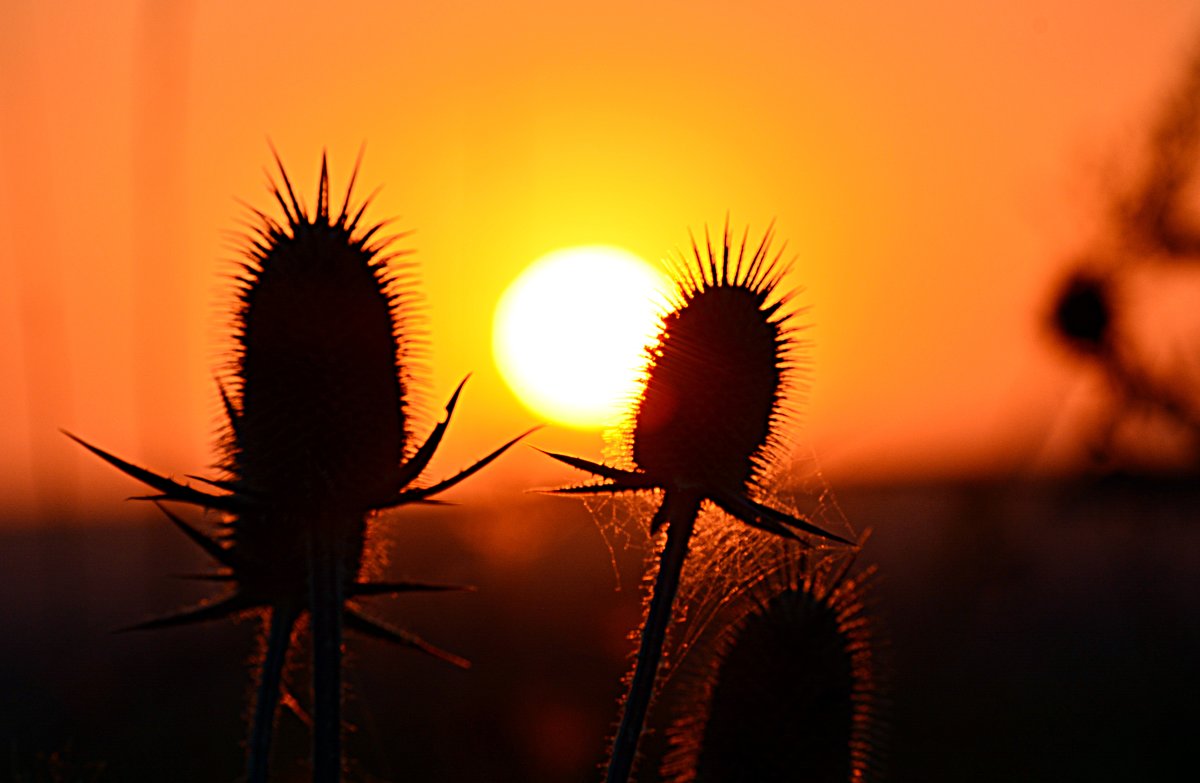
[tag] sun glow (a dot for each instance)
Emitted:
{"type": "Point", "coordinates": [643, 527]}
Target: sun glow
{"type": "Point", "coordinates": [570, 333]}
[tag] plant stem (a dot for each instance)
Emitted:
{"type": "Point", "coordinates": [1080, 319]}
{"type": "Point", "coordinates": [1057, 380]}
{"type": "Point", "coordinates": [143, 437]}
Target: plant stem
{"type": "Point", "coordinates": [681, 519]}
{"type": "Point", "coordinates": [283, 618]}
{"type": "Point", "coordinates": [325, 605]}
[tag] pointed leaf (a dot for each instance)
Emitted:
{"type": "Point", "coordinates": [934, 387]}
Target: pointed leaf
{"type": "Point", "coordinates": [411, 470]}
{"type": "Point", "coordinates": [368, 626]}
{"type": "Point", "coordinates": [236, 487]}
{"type": "Point", "coordinates": [587, 489]}
{"type": "Point", "coordinates": [630, 478]}
{"type": "Point", "coordinates": [769, 519]}
{"type": "Point", "coordinates": [215, 610]}
{"type": "Point", "coordinates": [171, 489]}
{"type": "Point", "coordinates": [214, 550]}
{"type": "Point", "coordinates": [420, 494]}
{"type": "Point", "coordinates": [386, 588]}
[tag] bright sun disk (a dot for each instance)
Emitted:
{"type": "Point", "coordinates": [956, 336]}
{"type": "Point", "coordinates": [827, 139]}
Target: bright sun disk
{"type": "Point", "coordinates": [570, 333]}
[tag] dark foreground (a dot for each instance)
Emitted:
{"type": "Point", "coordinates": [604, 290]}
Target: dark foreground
{"type": "Point", "coordinates": [1038, 633]}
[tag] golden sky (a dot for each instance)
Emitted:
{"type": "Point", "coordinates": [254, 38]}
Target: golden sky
{"type": "Point", "coordinates": [932, 165]}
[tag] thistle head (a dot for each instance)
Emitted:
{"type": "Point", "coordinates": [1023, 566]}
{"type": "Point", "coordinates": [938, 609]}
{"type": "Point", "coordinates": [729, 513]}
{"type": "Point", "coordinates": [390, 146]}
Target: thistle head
{"type": "Point", "coordinates": [706, 425]}
{"type": "Point", "coordinates": [792, 690]}
{"type": "Point", "coordinates": [319, 377]}
{"type": "Point", "coordinates": [716, 378]}
{"type": "Point", "coordinates": [317, 398]}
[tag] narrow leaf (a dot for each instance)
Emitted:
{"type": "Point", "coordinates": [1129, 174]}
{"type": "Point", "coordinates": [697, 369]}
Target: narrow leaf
{"type": "Point", "coordinates": [387, 588]}
{"type": "Point", "coordinates": [766, 518]}
{"type": "Point", "coordinates": [171, 489]}
{"type": "Point", "coordinates": [216, 610]}
{"type": "Point", "coordinates": [214, 550]}
{"type": "Point", "coordinates": [368, 626]}
{"type": "Point", "coordinates": [422, 493]}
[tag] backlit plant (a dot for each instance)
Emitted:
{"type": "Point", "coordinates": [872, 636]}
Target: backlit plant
{"type": "Point", "coordinates": [791, 689]}
{"type": "Point", "coordinates": [705, 429]}
{"type": "Point", "coordinates": [318, 399]}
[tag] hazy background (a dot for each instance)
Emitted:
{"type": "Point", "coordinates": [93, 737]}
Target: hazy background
{"type": "Point", "coordinates": [935, 167]}
{"type": "Point", "coordinates": [931, 165]}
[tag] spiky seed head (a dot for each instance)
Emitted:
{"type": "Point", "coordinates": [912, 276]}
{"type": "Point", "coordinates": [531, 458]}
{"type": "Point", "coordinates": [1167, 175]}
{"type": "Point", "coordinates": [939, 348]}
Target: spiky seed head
{"type": "Point", "coordinates": [718, 385]}
{"type": "Point", "coordinates": [716, 377]}
{"type": "Point", "coordinates": [319, 384]}
{"type": "Point", "coordinates": [791, 691]}
{"type": "Point", "coordinates": [321, 413]}
{"type": "Point", "coordinates": [317, 399]}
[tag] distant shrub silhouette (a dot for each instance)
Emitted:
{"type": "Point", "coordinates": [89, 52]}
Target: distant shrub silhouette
{"type": "Point", "coordinates": [704, 429]}
{"type": "Point", "coordinates": [1083, 313]}
{"type": "Point", "coordinates": [318, 400]}
{"type": "Point", "coordinates": [1151, 235]}
{"type": "Point", "coordinates": [791, 690]}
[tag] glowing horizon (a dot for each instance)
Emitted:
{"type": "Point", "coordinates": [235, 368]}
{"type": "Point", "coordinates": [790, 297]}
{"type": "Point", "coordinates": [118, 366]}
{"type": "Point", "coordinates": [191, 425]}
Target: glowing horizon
{"type": "Point", "coordinates": [931, 169]}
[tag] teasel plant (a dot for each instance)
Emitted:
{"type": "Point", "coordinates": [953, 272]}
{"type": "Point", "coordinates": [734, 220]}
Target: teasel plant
{"type": "Point", "coordinates": [1102, 310]}
{"type": "Point", "coordinates": [319, 439]}
{"type": "Point", "coordinates": [703, 430]}
{"type": "Point", "coordinates": [793, 686]}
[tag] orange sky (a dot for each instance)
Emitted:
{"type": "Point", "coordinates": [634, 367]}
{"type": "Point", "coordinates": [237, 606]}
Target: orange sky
{"type": "Point", "coordinates": [931, 164]}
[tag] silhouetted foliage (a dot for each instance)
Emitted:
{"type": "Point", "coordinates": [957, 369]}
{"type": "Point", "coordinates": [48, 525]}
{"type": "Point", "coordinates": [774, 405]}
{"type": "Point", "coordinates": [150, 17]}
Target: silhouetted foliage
{"type": "Point", "coordinates": [792, 689]}
{"type": "Point", "coordinates": [318, 440]}
{"type": "Point", "coordinates": [1152, 234]}
{"type": "Point", "coordinates": [704, 429]}
{"type": "Point", "coordinates": [1083, 313]}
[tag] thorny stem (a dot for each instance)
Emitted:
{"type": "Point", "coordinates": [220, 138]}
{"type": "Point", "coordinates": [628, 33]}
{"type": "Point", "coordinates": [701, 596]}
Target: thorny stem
{"type": "Point", "coordinates": [326, 605]}
{"type": "Point", "coordinates": [666, 584]}
{"type": "Point", "coordinates": [283, 618]}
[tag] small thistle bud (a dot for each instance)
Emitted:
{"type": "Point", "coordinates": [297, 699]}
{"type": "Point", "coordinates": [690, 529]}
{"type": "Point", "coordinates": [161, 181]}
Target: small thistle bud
{"type": "Point", "coordinates": [792, 690]}
{"type": "Point", "coordinates": [317, 400]}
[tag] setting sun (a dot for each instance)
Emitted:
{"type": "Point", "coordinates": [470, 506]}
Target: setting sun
{"type": "Point", "coordinates": [570, 332]}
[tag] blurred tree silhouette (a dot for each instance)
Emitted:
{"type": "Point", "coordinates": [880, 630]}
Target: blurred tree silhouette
{"type": "Point", "coordinates": [1128, 305]}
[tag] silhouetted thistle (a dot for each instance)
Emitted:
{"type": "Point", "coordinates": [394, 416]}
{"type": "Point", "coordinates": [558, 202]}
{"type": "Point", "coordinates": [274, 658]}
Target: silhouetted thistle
{"type": "Point", "coordinates": [319, 439]}
{"type": "Point", "coordinates": [703, 430]}
{"type": "Point", "coordinates": [792, 690]}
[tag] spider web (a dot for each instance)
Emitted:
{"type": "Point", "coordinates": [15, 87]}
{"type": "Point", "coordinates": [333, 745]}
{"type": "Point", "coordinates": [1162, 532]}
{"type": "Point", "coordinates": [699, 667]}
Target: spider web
{"type": "Point", "coordinates": [726, 558]}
